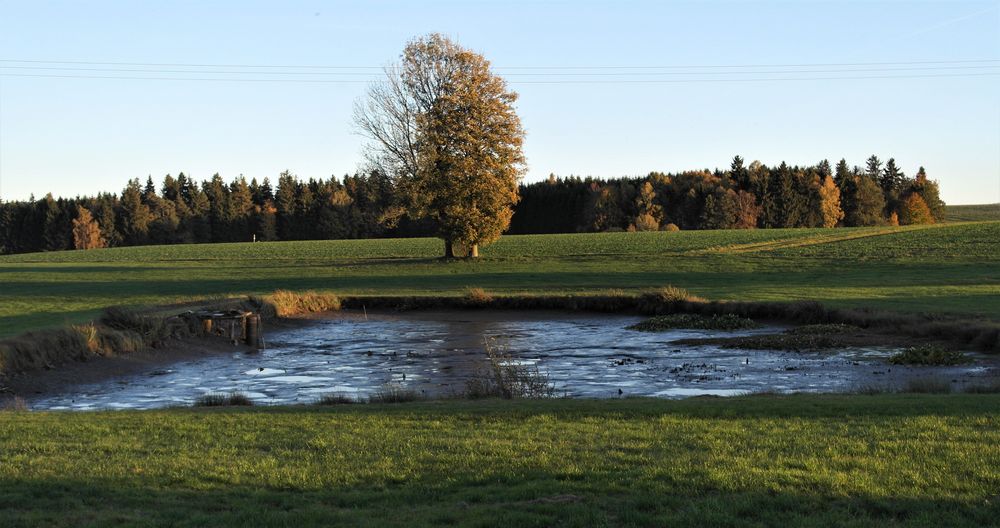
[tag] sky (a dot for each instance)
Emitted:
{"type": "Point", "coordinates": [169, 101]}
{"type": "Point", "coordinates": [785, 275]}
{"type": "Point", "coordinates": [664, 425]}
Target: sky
{"type": "Point", "coordinates": [607, 89]}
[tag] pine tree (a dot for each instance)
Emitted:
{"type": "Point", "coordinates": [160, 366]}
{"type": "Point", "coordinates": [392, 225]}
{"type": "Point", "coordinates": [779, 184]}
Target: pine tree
{"type": "Point", "coordinates": [740, 175]}
{"type": "Point", "coordinates": [842, 173]}
{"type": "Point", "coordinates": [135, 215]}
{"type": "Point", "coordinates": [149, 192]}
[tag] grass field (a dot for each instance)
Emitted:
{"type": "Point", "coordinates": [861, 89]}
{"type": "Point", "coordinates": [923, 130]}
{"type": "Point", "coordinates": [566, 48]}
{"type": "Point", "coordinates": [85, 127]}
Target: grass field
{"type": "Point", "coordinates": [951, 268]}
{"type": "Point", "coordinates": [972, 213]}
{"type": "Point", "coordinates": [884, 460]}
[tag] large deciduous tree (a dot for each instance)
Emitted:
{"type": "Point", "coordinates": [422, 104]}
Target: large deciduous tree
{"type": "Point", "coordinates": [444, 128]}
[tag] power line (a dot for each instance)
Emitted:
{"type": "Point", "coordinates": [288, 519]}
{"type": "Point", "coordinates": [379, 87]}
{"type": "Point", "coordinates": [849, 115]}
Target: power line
{"type": "Point", "coordinates": [529, 74]}
{"type": "Point", "coordinates": [599, 67]}
{"type": "Point", "coordinates": [557, 81]}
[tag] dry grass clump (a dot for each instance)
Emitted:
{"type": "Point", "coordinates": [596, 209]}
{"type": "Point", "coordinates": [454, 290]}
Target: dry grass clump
{"type": "Point", "coordinates": [988, 387]}
{"type": "Point", "coordinates": [477, 297]}
{"type": "Point", "coordinates": [232, 399]}
{"type": "Point", "coordinates": [286, 303]}
{"type": "Point", "coordinates": [930, 355]}
{"type": "Point", "coordinates": [927, 386]}
{"type": "Point", "coordinates": [336, 398]}
{"type": "Point", "coordinates": [394, 393]}
{"type": "Point", "coordinates": [13, 404]}
{"type": "Point", "coordinates": [669, 294]}
{"type": "Point", "coordinates": [504, 377]}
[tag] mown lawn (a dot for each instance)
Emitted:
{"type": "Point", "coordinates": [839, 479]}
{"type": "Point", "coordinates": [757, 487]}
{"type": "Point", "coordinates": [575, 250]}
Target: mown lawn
{"type": "Point", "coordinates": [885, 460]}
{"type": "Point", "coordinates": [945, 268]}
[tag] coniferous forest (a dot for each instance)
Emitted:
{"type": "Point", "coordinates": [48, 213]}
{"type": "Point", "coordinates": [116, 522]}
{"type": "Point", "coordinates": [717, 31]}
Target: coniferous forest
{"type": "Point", "coordinates": [179, 210]}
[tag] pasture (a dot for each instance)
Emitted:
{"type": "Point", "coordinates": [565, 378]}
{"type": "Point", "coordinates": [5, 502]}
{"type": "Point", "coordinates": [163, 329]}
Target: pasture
{"type": "Point", "coordinates": [941, 268]}
{"type": "Point", "coordinates": [897, 460]}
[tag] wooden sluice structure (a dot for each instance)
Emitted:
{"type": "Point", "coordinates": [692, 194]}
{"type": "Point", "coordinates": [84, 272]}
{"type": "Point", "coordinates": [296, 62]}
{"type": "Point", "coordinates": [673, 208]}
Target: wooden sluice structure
{"type": "Point", "coordinates": [237, 326]}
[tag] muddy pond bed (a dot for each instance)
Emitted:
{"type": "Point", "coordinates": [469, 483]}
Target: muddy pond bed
{"type": "Point", "coordinates": [434, 353]}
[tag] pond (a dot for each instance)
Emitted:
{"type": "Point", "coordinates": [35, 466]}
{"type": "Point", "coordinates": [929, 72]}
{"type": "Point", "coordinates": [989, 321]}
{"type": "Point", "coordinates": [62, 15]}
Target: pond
{"type": "Point", "coordinates": [434, 353]}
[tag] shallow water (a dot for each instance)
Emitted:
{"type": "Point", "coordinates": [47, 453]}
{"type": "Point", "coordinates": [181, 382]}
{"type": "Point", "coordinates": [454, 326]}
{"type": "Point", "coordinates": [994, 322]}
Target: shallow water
{"type": "Point", "coordinates": [584, 355]}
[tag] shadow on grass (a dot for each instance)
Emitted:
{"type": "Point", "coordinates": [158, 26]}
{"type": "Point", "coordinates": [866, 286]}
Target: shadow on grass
{"type": "Point", "coordinates": [536, 499]}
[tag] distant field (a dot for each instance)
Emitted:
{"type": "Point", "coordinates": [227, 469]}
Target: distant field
{"type": "Point", "coordinates": [883, 460]}
{"type": "Point", "coordinates": [952, 267]}
{"type": "Point", "coordinates": [972, 213]}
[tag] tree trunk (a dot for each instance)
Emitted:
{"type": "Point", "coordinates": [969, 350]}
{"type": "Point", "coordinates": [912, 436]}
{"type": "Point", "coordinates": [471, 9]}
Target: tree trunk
{"type": "Point", "coordinates": [474, 251]}
{"type": "Point", "coordinates": [449, 251]}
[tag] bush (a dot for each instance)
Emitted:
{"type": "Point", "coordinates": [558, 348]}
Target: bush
{"type": "Point", "coordinates": [822, 329]}
{"type": "Point", "coordinates": [233, 399]}
{"type": "Point", "coordinates": [504, 377]}
{"type": "Point", "coordinates": [671, 227]}
{"type": "Point", "coordinates": [931, 355]}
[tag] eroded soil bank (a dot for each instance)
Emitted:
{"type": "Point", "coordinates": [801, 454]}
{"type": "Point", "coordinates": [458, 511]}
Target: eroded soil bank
{"type": "Point", "coordinates": [435, 352]}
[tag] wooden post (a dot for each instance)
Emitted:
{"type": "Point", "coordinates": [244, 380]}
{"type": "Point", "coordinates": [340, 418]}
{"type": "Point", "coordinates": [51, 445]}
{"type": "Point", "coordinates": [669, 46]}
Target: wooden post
{"type": "Point", "coordinates": [253, 330]}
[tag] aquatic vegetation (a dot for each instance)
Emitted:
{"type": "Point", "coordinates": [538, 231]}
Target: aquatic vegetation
{"type": "Point", "coordinates": [694, 322]}
{"type": "Point", "coordinates": [504, 377]}
{"type": "Point", "coordinates": [822, 329]}
{"type": "Point", "coordinates": [932, 355]}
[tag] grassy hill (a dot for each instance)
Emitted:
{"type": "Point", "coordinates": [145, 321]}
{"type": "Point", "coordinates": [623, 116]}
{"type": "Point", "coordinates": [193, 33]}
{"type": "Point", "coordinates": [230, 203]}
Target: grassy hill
{"type": "Point", "coordinates": [972, 213]}
{"type": "Point", "coordinates": [882, 460]}
{"type": "Point", "coordinates": [928, 268]}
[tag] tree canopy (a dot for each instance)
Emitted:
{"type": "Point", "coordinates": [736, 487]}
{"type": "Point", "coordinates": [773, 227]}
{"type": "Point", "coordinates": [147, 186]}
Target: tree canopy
{"type": "Point", "coordinates": [443, 127]}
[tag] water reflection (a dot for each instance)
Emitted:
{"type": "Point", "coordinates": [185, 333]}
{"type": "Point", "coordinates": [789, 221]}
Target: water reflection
{"type": "Point", "coordinates": [585, 355]}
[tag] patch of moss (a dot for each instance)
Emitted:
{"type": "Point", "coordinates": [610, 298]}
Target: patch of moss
{"type": "Point", "coordinates": [930, 355]}
{"type": "Point", "coordinates": [694, 322]}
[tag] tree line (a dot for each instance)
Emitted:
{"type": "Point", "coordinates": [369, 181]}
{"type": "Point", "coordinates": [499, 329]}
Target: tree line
{"type": "Point", "coordinates": [181, 210]}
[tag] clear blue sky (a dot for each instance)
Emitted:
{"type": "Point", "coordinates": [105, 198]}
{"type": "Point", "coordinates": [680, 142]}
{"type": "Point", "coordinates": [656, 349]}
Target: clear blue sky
{"type": "Point", "coordinates": [72, 135]}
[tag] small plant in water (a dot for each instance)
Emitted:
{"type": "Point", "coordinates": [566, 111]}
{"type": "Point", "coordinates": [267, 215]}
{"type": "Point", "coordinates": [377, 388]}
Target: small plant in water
{"type": "Point", "coordinates": [505, 377]}
{"type": "Point", "coordinates": [233, 399]}
{"type": "Point", "coordinates": [931, 355]}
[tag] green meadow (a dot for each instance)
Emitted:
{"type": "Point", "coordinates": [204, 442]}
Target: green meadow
{"type": "Point", "coordinates": [941, 268]}
{"type": "Point", "coordinates": [882, 460]}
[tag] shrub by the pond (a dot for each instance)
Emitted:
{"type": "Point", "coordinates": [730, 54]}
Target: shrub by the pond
{"type": "Point", "coordinates": [694, 321]}
{"type": "Point", "coordinates": [232, 399]}
{"type": "Point", "coordinates": [987, 387]}
{"type": "Point", "coordinates": [505, 377]}
{"type": "Point", "coordinates": [931, 355]}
